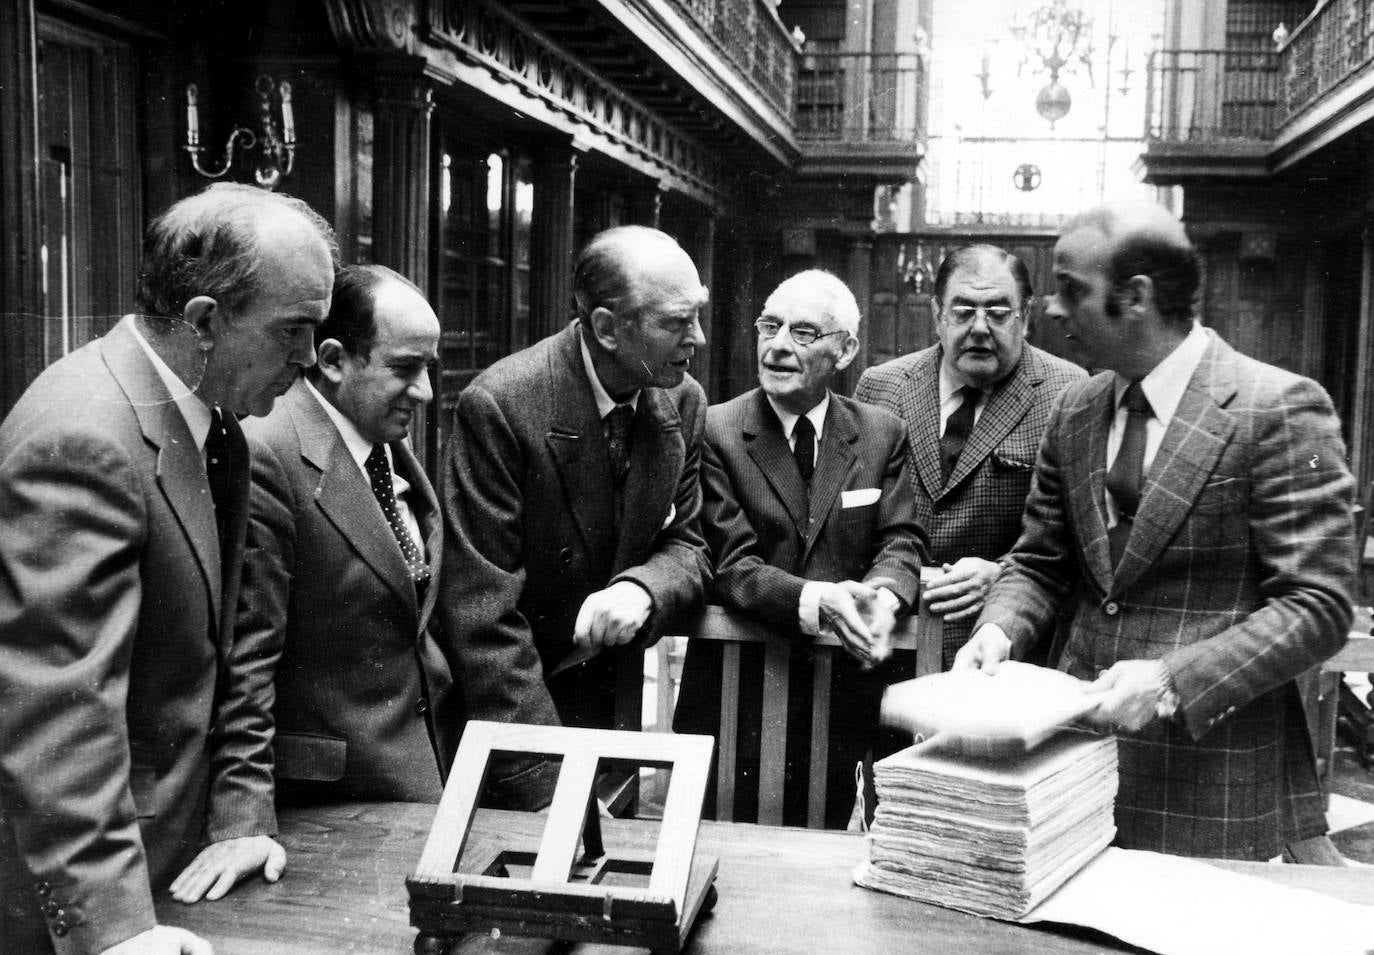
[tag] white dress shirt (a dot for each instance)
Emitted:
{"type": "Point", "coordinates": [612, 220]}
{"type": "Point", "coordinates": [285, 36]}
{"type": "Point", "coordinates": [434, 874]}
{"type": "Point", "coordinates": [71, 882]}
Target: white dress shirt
{"type": "Point", "coordinates": [194, 411]}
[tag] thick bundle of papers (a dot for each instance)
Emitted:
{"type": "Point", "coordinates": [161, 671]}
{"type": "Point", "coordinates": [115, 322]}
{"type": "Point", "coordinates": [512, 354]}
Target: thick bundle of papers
{"type": "Point", "coordinates": [991, 837]}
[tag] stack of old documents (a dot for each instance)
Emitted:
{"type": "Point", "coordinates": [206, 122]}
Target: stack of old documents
{"type": "Point", "coordinates": [990, 825]}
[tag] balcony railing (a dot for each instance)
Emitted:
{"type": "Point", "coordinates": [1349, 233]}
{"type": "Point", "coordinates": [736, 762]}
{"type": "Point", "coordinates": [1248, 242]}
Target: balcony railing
{"type": "Point", "coordinates": [1327, 49]}
{"type": "Point", "coordinates": [1214, 96]}
{"type": "Point", "coordinates": [749, 34]}
{"type": "Point", "coordinates": [860, 97]}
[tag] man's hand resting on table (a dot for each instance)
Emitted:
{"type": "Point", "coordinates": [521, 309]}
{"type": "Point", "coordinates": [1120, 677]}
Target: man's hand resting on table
{"type": "Point", "coordinates": [219, 865]}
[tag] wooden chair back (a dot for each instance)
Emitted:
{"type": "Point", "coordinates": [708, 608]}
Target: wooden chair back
{"type": "Point", "coordinates": [921, 632]}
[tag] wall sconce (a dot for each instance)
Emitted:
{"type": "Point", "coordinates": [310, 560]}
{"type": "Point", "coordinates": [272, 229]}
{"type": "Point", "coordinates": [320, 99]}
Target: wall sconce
{"type": "Point", "coordinates": [276, 155]}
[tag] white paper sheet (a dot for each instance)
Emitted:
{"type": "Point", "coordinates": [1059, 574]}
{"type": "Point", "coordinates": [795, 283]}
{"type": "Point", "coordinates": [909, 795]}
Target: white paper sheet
{"type": "Point", "coordinates": [1177, 906]}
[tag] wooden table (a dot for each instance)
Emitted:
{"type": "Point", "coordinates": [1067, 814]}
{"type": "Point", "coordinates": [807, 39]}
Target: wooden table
{"type": "Point", "coordinates": [781, 890]}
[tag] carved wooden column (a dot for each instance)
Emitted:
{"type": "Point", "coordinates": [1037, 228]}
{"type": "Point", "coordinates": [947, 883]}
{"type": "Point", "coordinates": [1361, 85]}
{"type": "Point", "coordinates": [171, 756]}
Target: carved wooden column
{"type": "Point", "coordinates": [21, 277]}
{"type": "Point", "coordinates": [402, 104]}
{"type": "Point", "coordinates": [1362, 405]}
{"type": "Point", "coordinates": [646, 203]}
{"type": "Point", "coordinates": [551, 239]}
{"type": "Point", "coordinates": [860, 282]}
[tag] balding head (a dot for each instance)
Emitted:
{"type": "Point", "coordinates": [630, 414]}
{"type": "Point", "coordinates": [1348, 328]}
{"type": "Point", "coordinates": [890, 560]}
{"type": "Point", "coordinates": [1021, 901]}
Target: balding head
{"type": "Point", "coordinates": [1144, 238]}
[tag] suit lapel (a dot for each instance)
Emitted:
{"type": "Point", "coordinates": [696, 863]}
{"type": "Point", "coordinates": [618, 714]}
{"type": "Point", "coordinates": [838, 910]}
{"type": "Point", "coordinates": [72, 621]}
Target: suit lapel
{"type": "Point", "coordinates": [767, 447]}
{"type": "Point", "coordinates": [1196, 437]}
{"type": "Point", "coordinates": [833, 465]}
{"type": "Point", "coordinates": [578, 446]}
{"type": "Point", "coordinates": [921, 405]}
{"type": "Point", "coordinates": [425, 506]}
{"type": "Point", "coordinates": [1085, 467]}
{"type": "Point", "coordinates": [343, 495]}
{"type": "Point", "coordinates": [180, 467]}
{"type": "Point", "coordinates": [656, 461]}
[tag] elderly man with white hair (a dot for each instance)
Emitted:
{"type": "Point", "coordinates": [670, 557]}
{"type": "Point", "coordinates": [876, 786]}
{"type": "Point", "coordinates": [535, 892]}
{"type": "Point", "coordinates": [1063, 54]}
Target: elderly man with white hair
{"type": "Point", "coordinates": [808, 513]}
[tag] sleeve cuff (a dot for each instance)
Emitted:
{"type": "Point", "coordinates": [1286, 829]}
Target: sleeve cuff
{"type": "Point", "coordinates": [809, 608]}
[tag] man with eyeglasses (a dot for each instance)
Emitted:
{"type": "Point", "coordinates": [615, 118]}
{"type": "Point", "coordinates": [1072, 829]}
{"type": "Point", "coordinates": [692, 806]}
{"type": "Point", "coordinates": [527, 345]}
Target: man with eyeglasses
{"type": "Point", "coordinates": [975, 406]}
{"type": "Point", "coordinates": [807, 512]}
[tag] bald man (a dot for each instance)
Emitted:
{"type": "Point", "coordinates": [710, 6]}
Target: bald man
{"type": "Point", "coordinates": [1193, 507]}
{"type": "Point", "coordinates": [571, 499]}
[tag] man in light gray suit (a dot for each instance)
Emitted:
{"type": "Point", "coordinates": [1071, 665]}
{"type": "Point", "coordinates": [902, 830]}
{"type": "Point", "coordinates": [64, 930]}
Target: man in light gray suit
{"type": "Point", "coordinates": [125, 729]}
{"type": "Point", "coordinates": [343, 540]}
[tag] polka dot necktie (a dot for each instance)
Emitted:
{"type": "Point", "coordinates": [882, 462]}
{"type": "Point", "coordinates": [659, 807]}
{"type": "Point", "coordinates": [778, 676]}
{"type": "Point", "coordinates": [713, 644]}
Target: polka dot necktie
{"type": "Point", "coordinates": [379, 471]}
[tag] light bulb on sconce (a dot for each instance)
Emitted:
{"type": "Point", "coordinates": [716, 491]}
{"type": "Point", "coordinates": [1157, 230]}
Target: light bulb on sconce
{"type": "Point", "coordinates": [276, 154]}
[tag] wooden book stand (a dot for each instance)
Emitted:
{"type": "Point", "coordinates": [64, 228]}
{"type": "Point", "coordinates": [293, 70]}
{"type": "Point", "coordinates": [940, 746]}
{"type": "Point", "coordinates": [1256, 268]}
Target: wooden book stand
{"type": "Point", "coordinates": [564, 896]}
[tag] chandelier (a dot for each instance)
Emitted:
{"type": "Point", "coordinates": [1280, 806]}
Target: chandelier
{"type": "Point", "coordinates": [1054, 38]}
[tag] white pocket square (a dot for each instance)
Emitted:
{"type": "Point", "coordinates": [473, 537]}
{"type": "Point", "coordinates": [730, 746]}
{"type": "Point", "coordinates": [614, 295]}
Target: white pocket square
{"type": "Point", "coordinates": [859, 497]}
{"type": "Point", "coordinates": [672, 513]}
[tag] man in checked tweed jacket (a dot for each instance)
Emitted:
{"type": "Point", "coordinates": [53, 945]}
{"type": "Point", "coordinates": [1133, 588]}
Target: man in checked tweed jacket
{"type": "Point", "coordinates": [974, 516]}
{"type": "Point", "coordinates": [1234, 545]}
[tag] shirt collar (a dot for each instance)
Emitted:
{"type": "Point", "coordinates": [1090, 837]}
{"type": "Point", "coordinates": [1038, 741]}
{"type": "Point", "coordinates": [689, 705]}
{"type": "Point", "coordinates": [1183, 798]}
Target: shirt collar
{"type": "Point", "coordinates": [1165, 384]}
{"type": "Point", "coordinates": [358, 446]}
{"type": "Point", "coordinates": [194, 411]}
{"type": "Point", "coordinates": [605, 404]}
{"type": "Point", "coordinates": [789, 419]}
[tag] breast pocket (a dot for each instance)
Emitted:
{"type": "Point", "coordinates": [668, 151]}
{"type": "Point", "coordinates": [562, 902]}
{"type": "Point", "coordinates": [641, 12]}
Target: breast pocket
{"type": "Point", "coordinates": [1223, 496]}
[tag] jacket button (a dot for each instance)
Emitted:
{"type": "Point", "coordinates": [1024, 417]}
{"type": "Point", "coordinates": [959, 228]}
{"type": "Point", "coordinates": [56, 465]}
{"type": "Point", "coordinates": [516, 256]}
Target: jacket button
{"type": "Point", "coordinates": [565, 556]}
{"type": "Point", "coordinates": [59, 929]}
{"type": "Point", "coordinates": [1111, 608]}
{"type": "Point", "coordinates": [43, 889]}
{"type": "Point", "coordinates": [421, 706]}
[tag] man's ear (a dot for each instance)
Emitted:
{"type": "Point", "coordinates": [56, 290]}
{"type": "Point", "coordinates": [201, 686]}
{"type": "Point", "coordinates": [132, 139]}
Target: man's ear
{"type": "Point", "coordinates": [329, 359]}
{"type": "Point", "coordinates": [847, 353]}
{"type": "Point", "coordinates": [206, 319]}
{"type": "Point", "coordinates": [602, 323]}
{"type": "Point", "coordinates": [1138, 292]}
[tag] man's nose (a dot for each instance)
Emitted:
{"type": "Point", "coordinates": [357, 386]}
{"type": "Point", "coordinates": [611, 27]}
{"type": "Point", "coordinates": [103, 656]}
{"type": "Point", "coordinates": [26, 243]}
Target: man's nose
{"type": "Point", "coordinates": [305, 355]}
{"type": "Point", "coordinates": [420, 389]}
{"type": "Point", "coordinates": [1054, 308]}
{"type": "Point", "coordinates": [696, 335]}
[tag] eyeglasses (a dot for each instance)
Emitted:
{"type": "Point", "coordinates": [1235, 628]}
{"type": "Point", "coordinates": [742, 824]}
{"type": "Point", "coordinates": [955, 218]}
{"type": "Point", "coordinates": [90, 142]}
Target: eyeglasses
{"type": "Point", "coordinates": [997, 315]}
{"type": "Point", "coordinates": [801, 334]}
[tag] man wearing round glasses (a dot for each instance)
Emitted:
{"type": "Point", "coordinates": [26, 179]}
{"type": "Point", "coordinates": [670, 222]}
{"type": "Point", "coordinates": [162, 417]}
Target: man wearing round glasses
{"type": "Point", "coordinates": [807, 511]}
{"type": "Point", "coordinates": [975, 405]}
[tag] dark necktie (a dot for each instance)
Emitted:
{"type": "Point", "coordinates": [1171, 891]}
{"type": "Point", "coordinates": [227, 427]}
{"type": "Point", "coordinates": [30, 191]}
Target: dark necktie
{"type": "Point", "coordinates": [618, 422]}
{"type": "Point", "coordinates": [1124, 479]}
{"type": "Point", "coordinates": [379, 472]}
{"type": "Point", "coordinates": [219, 465]}
{"type": "Point", "coordinates": [804, 447]}
{"type": "Point", "coordinates": [957, 430]}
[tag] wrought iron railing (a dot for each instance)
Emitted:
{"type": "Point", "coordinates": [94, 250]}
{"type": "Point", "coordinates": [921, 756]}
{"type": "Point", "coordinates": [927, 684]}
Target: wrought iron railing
{"type": "Point", "coordinates": [1329, 48]}
{"type": "Point", "coordinates": [860, 97]}
{"type": "Point", "coordinates": [749, 34]}
{"type": "Point", "coordinates": [1214, 95]}
{"type": "Point", "coordinates": [1235, 95]}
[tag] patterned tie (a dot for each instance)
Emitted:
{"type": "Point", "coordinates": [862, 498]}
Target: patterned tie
{"type": "Point", "coordinates": [379, 471]}
{"type": "Point", "coordinates": [1124, 479]}
{"type": "Point", "coordinates": [618, 422]}
{"type": "Point", "coordinates": [957, 430]}
{"type": "Point", "coordinates": [804, 447]}
{"type": "Point", "coordinates": [219, 465]}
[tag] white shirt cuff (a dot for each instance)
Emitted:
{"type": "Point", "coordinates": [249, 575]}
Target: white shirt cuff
{"type": "Point", "coordinates": [809, 608]}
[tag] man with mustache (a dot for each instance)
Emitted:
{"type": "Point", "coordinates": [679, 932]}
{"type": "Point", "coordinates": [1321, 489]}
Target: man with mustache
{"type": "Point", "coordinates": [571, 499]}
{"type": "Point", "coordinates": [343, 542]}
